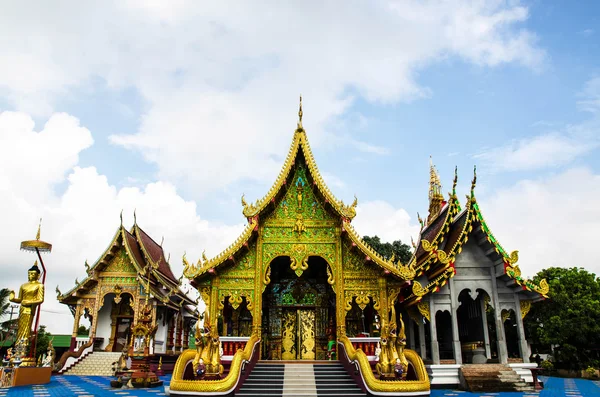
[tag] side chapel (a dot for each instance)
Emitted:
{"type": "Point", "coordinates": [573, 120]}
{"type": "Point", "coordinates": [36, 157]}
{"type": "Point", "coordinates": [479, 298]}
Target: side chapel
{"type": "Point", "coordinates": [131, 291]}
{"type": "Point", "coordinates": [468, 298]}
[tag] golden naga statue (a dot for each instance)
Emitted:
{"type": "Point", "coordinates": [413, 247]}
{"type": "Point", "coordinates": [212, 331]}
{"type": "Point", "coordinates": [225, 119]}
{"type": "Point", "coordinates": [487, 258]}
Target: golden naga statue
{"type": "Point", "coordinates": [392, 362]}
{"type": "Point", "coordinates": [207, 361]}
{"type": "Point", "coordinates": [31, 294]}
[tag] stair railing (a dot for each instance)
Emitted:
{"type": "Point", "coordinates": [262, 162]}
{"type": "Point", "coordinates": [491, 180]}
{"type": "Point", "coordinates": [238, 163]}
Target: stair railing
{"type": "Point", "coordinates": [241, 360]}
{"type": "Point", "coordinates": [357, 364]}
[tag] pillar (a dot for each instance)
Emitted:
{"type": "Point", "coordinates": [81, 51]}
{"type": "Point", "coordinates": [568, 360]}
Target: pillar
{"type": "Point", "coordinates": [521, 331]}
{"type": "Point", "coordinates": [435, 348]}
{"type": "Point", "coordinates": [170, 334]}
{"type": "Point", "coordinates": [422, 341]}
{"type": "Point", "coordinates": [178, 333]}
{"type": "Point", "coordinates": [502, 351]}
{"type": "Point", "coordinates": [186, 335]}
{"type": "Point", "coordinates": [486, 334]}
{"type": "Point", "coordinates": [454, 319]}
{"type": "Point", "coordinates": [76, 320]}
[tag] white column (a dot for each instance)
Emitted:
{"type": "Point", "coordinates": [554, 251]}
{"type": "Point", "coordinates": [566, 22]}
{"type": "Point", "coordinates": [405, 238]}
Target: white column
{"type": "Point", "coordinates": [486, 334]}
{"type": "Point", "coordinates": [422, 341]}
{"type": "Point", "coordinates": [454, 319]}
{"type": "Point", "coordinates": [435, 348]}
{"type": "Point", "coordinates": [521, 331]}
{"type": "Point", "coordinates": [502, 352]}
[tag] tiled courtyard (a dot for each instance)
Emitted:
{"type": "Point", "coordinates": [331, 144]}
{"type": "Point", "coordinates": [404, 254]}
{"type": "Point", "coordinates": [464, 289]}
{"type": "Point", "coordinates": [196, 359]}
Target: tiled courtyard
{"type": "Point", "coordinates": [82, 386]}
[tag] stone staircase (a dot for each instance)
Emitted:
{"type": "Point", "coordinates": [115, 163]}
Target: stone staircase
{"type": "Point", "coordinates": [299, 379]}
{"type": "Point", "coordinates": [491, 378]}
{"type": "Point", "coordinates": [96, 363]}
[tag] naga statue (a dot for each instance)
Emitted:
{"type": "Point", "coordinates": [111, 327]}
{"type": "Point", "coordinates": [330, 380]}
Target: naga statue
{"type": "Point", "coordinates": [392, 362]}
{"type": "Point", "coordinates": [207, 362]}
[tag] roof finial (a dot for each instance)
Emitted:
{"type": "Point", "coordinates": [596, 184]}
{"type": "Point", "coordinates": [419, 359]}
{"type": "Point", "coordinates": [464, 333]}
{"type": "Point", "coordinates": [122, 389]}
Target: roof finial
{"type": "Point", "coordinates": [135, 218]}
{"type": "Point", "coordinates": [121, 216]}
{"type": "Point", "coordinates": [435, 193]}
{"type": "Point", "coordinates": [162, 241]}
{"type": "Point", "coordinates": [37, 236]}
{"type": "Point", "coordinates": [455, 180]}
{"type": "Point", "coordinates": [300, 116]}
{"type": "Point", "coordinates": [474, 181]}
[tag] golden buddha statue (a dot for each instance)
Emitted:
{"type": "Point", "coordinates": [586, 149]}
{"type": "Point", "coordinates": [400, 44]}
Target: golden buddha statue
{"type": "Point", "coordinates": [31, 294]}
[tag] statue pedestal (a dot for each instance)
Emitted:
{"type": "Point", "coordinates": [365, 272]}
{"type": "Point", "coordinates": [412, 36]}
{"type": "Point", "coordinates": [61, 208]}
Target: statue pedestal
{"type": "Point", "coordinates": [31, 376]}
{"type": "Point", "coordinates": [479, 356]}
{"type": "Point", "coordinates": [142, 377]}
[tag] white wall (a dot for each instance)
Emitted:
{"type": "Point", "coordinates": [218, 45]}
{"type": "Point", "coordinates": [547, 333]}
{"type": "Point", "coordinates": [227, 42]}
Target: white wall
{"type": "Point", "coordinates": [103, 325]}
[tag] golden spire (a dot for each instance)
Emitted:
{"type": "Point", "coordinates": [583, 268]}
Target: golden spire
{"type": "Point", "coordinates": [37, 236]}
{"type": "Point", "coordinates": [435, 193]}
{"type": "Point", "coordinates": [300, 128]}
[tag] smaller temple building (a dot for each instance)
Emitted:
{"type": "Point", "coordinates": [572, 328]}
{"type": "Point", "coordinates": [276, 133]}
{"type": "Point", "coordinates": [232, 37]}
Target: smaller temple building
{"type": "Point", "coordinates": [467, 301]}
{"type": "Point", "coordinates": [132, 300]}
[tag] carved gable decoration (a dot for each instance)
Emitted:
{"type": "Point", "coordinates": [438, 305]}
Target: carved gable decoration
{"type": "Point", "coordinates": [300, 201]}
{"type": "Point", "coordinates": [120, 264]}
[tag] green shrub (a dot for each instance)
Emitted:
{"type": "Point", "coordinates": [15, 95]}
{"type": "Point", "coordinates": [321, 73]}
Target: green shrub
{"type": "Point", "coordinates": [547, 365]}
{"type": "Point", "coordinates": [591, 371]}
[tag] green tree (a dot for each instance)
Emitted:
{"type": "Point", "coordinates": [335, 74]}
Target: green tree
{"type": "Point", "coordinates": [570, 319]}
{"type": "Point", "coordinates": [43, 338]}
{"type": "Point", "coordinates": [83, 330]}
{"type": "Point", "coordinates": [4, 310]}
{"type": "Point", "coordinates": [402, 251]}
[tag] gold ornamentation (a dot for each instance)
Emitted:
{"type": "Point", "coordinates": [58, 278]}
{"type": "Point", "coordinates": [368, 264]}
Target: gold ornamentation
{"type": "Point", "coordinates": [423, 308]}
{"type": "Point", "coordinates": [387, 386]}
{"type": "Point", "coordinates": [399, 270]}
{"type": "Point", "coordinates": [427, 246]}
{"type": "Point", "coordinates": [118, 290]}
{"type": "Point", "coordinates": [221, 386]}
{"type": "Point", "coordinates": [418, 289]}
{"type": "Point", "coordinates": [299, 225]}
{"type": "Point", "coordinates": [207, 350]}
{"type": "Point", "coordinates": [544, 288]}
{"type": "Point", "coordinates": [289, 336]}
{"type": "Point", "coordinates": [307, 324]}
{"type": "Point", "coordinates": [505, 315]}
{"type": "Point", "coordinates": [525, 307]}
{"type": "Point", "coordinates": [300, 142]}
{"type": "Point", "coordinates": [58, 294]}
{"type": "Point", "coordinates": [513, 258]}
{"type": "Point", "coordinates": [330, 277]}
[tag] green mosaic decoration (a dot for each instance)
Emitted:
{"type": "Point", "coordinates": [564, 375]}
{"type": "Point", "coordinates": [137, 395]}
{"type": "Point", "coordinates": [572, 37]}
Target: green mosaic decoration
{"type": "Point", "coordinates": [300, 199]}
{"type": "Point", "coordinates": [120, 263]}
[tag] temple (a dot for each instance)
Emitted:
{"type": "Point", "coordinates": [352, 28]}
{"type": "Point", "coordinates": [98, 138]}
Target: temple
{"type": "Point", "coordinates": [132, 300]}
{"type": "Point", "coordinates": [468, 298]}
{"type": "Point", "coordinates": [300, 276]}
{"type": "Point", "coordinates": [299, 285]}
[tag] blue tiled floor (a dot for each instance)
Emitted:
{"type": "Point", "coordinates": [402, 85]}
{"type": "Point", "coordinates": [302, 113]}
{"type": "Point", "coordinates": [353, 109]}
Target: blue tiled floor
{"type": "Point", "coordinates": [82, 386]}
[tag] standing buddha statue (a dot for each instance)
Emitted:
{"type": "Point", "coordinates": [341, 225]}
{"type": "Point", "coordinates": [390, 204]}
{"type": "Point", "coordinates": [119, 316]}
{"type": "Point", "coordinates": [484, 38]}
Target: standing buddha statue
{"type": "Point", "coordinates": [31, 294]}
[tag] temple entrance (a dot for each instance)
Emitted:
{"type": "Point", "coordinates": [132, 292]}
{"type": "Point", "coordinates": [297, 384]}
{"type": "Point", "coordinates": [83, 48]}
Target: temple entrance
{"type": "Point", "coordinates": [298, 312]}
{"type": "Point", "coordinates": [298, 335]}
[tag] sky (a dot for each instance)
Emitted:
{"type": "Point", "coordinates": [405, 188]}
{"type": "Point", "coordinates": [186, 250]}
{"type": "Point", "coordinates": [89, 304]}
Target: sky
{"type": "Point", "coordinates": [175, 109]}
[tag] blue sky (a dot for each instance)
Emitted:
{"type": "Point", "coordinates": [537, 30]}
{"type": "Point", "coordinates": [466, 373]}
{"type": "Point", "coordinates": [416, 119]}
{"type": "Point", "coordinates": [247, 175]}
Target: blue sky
{"type": "Point", "coordinates": [176, 110]}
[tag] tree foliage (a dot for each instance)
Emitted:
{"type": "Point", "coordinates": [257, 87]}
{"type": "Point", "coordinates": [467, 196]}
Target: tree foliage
{"type": "Point", "coordinates": [401, 251]}
{"type": "Point", "coordinates": [43, 338]}
{"type": "Point", "coordinates": [83, 330]}
{"type": "Point", "coordinates": [570, 319]}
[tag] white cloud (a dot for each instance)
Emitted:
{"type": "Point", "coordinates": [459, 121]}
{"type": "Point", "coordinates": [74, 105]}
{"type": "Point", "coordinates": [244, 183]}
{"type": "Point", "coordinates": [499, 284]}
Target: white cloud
{"type": "Point", "coordinates": [590, 96]}
{"type": "Point", "coordinates": [548, 150]}
{"type": "Point", "coordinates": [382, 219]}
{"type": "Point", "coordinates": [209, 74]}
{"type": "Point", "coordinates": [551, 149]}
{"type": "Point", "coordinates": [551, 221]}
{"type": "Point", "coordinates": [81, 222]}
